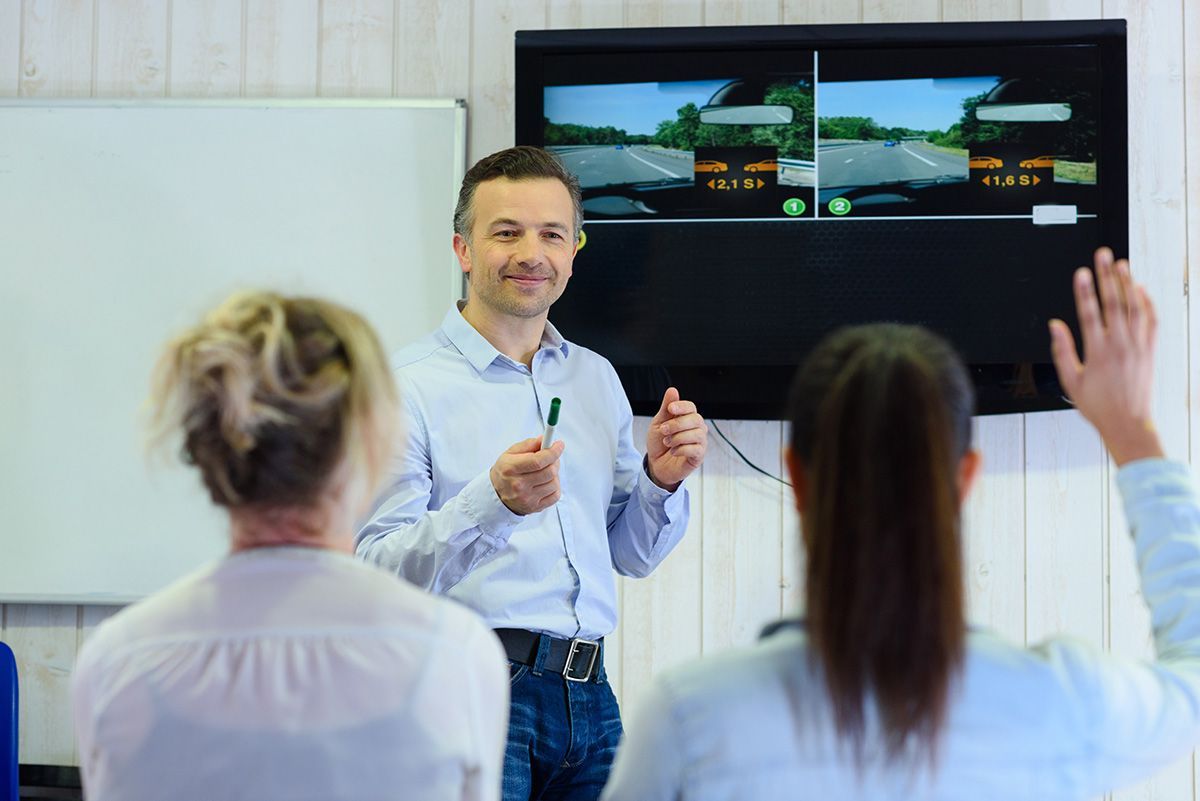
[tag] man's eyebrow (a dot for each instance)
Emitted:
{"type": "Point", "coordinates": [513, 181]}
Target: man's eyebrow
{"type": "Point", "coordinates": [506, 221]}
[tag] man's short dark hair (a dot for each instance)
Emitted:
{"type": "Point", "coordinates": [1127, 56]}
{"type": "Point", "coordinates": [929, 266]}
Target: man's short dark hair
{"type": "Point", "coordinates": [516, 164]}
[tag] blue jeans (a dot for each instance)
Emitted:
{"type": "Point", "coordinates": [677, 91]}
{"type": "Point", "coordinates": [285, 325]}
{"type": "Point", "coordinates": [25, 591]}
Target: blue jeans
{"type": "Point", "coordinates": [562, 735]}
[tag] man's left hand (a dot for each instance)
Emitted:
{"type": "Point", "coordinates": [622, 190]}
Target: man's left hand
{"type": "Point", "coordinates": [676, 442]}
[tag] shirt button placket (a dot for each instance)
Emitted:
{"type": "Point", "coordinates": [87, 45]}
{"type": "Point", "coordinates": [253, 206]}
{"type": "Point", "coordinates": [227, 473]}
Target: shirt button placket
{"type": "Point", "coordinates": [543, 404]}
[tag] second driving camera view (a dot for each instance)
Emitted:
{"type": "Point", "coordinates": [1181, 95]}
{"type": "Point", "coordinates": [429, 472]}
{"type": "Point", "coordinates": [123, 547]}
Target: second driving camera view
{"type": "Point", "coordinates": [974, 145]}
{"type": "Point", "coordinates": [868, 138]}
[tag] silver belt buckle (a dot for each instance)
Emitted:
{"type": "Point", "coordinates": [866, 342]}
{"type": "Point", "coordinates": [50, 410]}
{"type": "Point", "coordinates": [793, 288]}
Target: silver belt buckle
{"type": "Point", "coordinates": [571, 654]}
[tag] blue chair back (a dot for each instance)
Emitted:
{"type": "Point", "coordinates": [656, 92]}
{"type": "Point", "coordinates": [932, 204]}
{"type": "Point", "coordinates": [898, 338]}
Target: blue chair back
{"type": "Point", "coordinates": [8, 724]}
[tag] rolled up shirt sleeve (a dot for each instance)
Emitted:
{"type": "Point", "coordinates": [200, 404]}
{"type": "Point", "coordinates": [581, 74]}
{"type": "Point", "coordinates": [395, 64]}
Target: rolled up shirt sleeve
{"type": "Point", "coordinates": [645, 521]}
{"type": "Point", "coordinates": [433, 549]}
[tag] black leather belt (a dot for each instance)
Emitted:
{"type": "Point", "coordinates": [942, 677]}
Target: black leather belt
{"type": "Point", "coordinates": [576, 660]}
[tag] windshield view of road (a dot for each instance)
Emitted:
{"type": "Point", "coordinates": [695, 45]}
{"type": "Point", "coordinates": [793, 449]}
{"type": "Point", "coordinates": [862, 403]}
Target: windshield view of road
{"type": "Point", "coordinates": [870, 163]}
{"type": "Point", "coordinates": [605, 165]}
{"type": "Point", "coordinates": [896, 146]}
{"type": "Point", "coordinates": [899, 131]}
{"type": "Point", "coordinates": [931, 145]}
{"type": "Point", "coordinates": [633, 146]}
{"type": "Point", "coordinates": [600, 165]}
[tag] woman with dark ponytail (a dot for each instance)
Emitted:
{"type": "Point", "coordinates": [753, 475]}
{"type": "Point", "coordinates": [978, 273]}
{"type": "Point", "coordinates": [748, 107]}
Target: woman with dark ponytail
{"type": "Point", "coordinates": [880, 446]}
{"type": "Point", "coordinates": [881, 691]}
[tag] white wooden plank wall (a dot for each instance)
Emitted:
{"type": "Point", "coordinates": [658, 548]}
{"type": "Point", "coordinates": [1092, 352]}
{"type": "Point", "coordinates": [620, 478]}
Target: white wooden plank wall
{"type": "Point", "coordinates": [1046, 548]}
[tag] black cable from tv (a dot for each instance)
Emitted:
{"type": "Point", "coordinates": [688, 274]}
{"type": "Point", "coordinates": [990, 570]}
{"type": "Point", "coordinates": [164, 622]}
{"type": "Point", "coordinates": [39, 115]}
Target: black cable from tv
{"type": "Point", "coordinates": [752, 465]}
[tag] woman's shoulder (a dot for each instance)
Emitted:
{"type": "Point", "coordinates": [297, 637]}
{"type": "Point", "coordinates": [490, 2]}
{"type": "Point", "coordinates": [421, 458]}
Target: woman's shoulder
{"type": "Point", "coordinates": [736, 708]}
{"type": "Point", "coordinates": [285, 592]}
{"type": "Point", "coordinates": [742, 680]}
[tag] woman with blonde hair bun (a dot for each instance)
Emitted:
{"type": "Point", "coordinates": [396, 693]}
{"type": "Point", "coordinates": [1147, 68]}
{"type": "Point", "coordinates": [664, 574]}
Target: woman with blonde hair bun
{"type": "Point", "coordinates": [288, 669]}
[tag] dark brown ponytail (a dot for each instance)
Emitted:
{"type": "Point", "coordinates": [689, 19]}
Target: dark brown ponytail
{"type": "Point", "coordinates": [881, 416]}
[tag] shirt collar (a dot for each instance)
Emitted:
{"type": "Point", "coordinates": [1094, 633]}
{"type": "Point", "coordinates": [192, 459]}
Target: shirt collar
{"type": "Point", "coordinates": [477, 350]}
{"type": "Point", "coordinates": [552, 339]}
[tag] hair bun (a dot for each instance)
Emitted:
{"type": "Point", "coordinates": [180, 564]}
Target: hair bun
{"type": "Point", "coordinates": [270, 391]}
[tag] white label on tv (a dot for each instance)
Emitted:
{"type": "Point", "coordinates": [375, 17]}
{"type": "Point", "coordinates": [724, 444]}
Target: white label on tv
{"type": "Point", "coordinates": [1054, 215]}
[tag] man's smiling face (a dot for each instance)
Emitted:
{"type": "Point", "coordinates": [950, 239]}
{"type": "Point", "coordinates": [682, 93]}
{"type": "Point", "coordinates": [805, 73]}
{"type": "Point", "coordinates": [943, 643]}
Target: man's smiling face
{"type": "Point", "coordinates": [522, 244]}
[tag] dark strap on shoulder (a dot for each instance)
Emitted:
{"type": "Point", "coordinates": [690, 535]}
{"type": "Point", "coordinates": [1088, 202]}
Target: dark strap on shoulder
{"type": "Point", "coordinates": [781, 625]}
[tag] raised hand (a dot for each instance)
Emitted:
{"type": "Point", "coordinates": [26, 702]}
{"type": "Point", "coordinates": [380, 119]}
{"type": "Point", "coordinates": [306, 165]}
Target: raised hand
{"type": "Point", "coordinates": [526, 476]}
{"type": "Point", "coordinates": [676, 442]}
{"type": "Point", "coordinates": [1112, 388]}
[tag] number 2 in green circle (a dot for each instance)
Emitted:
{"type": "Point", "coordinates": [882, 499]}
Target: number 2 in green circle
{"type": "Point", "coordinates": [839, 206]}
{"type": "Point", "coordinates": [793, 207]}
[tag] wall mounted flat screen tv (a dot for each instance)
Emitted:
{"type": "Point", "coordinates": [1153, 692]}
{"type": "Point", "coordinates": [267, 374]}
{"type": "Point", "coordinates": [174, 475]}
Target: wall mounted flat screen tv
{"type": "Point", "coordinates": [748, 190]}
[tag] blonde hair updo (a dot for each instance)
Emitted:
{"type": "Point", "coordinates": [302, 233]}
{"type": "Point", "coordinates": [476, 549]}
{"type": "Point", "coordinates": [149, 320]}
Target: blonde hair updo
{"type": "Point", "coordinates": [279, 399]}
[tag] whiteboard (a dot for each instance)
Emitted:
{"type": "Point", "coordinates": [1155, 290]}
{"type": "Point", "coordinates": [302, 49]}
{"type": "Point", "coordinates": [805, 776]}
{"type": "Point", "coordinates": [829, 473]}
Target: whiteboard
{"type": "Point", "coordinates": [121, 223]}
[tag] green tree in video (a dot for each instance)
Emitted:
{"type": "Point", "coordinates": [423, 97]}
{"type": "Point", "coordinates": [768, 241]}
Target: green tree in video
{"type": "Point", "coordinates": [1073, 140]}
{"type": "Point", "coordinates": [969, 130]}
{"type": "Point", "coordinates": [863, 128]}
{"type": "Point", "coordinates": [572, 134]}
{"type": "Point", "coordinates": [794, 140]}
{"type": "Point", "coordinates": [683, 132]}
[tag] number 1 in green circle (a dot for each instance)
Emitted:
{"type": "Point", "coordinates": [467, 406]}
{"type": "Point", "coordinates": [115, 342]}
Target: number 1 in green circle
{"type": "Point", "coordinates": [793, 207]}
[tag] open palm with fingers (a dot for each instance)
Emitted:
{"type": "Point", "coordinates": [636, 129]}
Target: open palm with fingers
{"type": "Point", "coordinates": [1112, 387]}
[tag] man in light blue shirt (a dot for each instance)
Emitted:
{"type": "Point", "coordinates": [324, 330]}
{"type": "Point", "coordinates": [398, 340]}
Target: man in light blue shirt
{"type": "Point", "coordinates": [529, 536]}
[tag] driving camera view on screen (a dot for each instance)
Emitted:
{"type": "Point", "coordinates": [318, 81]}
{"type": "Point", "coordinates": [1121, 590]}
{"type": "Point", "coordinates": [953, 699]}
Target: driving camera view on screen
{"type": "Point", "coordinates": [719, 147]}
{"type": "Point", "coordinates": [933, 133]}
{"type": "Point", "coordinates": [748, 190]}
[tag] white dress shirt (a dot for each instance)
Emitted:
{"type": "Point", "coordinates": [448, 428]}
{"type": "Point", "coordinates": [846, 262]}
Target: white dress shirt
{"type": "Point", "coordinates": [1062, 721]}
{"type": "Point", "coordinates": [441, 525]}
{"type": "Point", "coordinates": [291, 673]}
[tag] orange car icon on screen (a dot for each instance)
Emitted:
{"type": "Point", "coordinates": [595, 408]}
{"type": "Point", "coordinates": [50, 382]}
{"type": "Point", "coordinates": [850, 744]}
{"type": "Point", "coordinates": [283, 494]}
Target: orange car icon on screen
{"type": "Point", "coordinates": [709, 165]}
{"type": "Point", "coordinates": [766, 165]}
{"type": "Point", "coordinates": [984, 163]}
{"type": "Point", "coordinates": [1037, 161]}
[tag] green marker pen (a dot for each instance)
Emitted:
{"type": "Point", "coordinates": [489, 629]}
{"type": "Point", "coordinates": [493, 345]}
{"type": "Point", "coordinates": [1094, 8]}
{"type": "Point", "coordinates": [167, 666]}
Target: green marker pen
{"type": "Point", "coordinates": [551, 422]}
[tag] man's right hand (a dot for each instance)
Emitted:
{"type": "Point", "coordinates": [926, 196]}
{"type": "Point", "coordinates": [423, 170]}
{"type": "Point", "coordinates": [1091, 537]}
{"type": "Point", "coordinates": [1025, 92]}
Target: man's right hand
{"type": "Point", "coordinates": [1112, 388]}
{"type": "Point", "coordinates": [526, 477]}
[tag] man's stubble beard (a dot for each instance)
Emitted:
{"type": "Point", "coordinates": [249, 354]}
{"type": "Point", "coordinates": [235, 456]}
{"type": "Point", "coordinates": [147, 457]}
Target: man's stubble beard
{"type": "Point", "coordinates": [495, 297]}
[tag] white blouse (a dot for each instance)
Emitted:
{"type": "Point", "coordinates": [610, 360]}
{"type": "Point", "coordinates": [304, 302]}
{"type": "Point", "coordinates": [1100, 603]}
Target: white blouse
{"type": "Point", "coordinates": [291, 673]}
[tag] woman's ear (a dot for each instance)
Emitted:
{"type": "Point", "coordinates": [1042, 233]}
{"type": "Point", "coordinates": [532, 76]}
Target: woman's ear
{"type": "Point", "coordinates": [795, 470]}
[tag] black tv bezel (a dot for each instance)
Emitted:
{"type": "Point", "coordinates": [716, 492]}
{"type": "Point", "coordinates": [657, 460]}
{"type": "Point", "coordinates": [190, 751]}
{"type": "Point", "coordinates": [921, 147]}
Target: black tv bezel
{"type": "Point", "coordinates": [1109, 35]}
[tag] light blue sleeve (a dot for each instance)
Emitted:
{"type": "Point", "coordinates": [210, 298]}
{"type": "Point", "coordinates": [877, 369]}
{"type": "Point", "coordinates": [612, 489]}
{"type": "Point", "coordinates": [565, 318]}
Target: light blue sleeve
{"type": "Point", "coordinates": [645, 522]}
{"type": "Point", "coordinates": [434, 550]}
{"type": "Point", "coordinates": [1138, 717]}
{"type": "Point", "coordinates": [649, 762]}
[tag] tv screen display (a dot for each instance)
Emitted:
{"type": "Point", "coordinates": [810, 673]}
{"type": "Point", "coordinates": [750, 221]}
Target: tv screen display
{"type": "Point", "coordinates": [748, 190]}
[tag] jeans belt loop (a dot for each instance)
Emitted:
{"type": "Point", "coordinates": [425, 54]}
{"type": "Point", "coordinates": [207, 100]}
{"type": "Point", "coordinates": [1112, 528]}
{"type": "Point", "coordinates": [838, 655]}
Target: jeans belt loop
{"type": "Point", "coordinates": [543, 651]}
